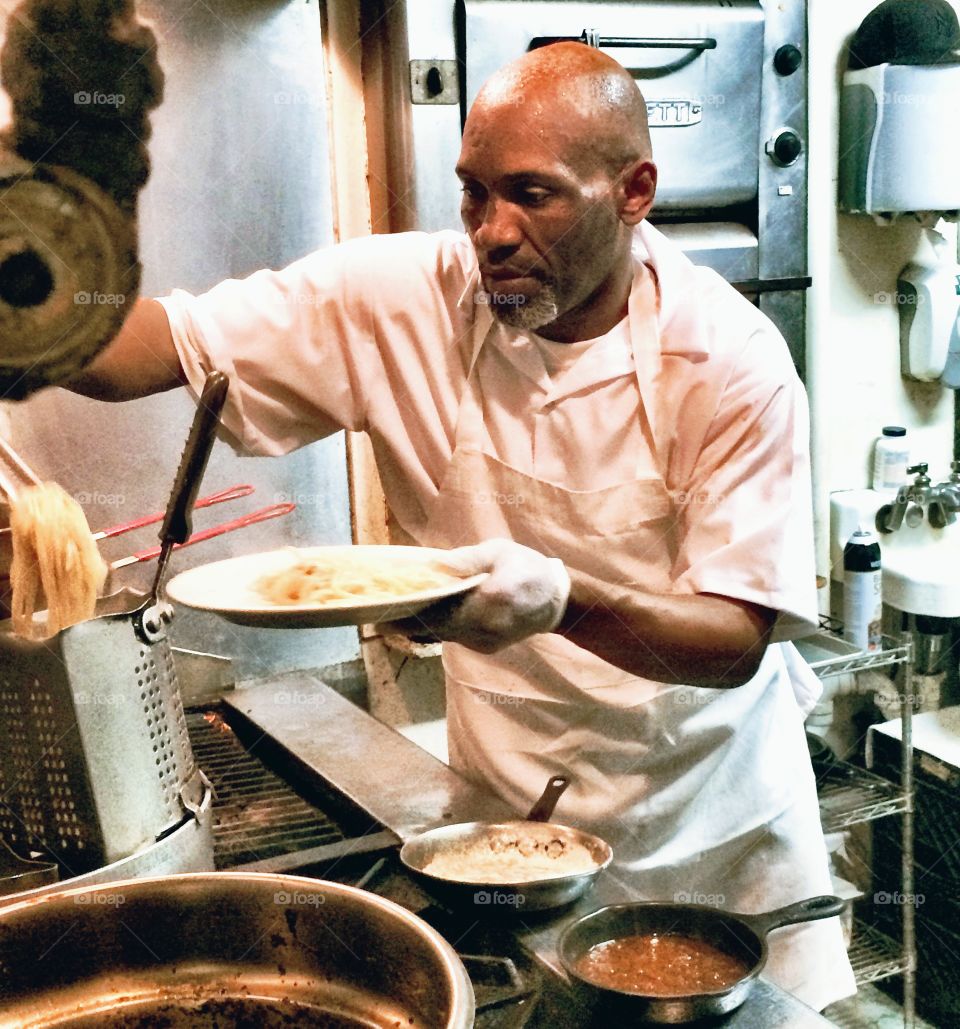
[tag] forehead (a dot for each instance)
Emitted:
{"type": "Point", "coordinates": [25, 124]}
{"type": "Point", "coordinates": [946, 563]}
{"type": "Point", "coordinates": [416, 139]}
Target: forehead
{"type": "Point", "coordinates": [513, 139]}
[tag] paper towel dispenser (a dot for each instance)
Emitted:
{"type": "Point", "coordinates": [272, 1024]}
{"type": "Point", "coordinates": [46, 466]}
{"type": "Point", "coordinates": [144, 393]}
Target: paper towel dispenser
{"type": "Point", "coordinates": [899, 148]}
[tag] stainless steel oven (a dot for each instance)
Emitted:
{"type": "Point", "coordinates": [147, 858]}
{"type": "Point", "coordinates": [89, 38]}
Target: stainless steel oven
{"type": "Point", "coordinates": [725, 83]}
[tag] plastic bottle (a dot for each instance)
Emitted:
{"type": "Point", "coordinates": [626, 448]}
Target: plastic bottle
{"type": "Point", "coordinates": [862, 597]}
{"type": "Point", "coordinates": [891, 457]}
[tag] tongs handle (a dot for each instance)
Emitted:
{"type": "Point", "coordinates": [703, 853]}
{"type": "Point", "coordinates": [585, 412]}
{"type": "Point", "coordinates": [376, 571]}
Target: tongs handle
{"type": "Point", "coordinates": [177, 520]}
{"type": "Point", "coordinates": [263, 515]}
{"type": "Point", "coordinates": [232, 493]}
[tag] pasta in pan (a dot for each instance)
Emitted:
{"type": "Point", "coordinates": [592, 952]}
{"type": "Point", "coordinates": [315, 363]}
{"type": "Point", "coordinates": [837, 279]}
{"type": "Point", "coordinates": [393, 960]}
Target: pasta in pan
{"type": "Point", "coordinates": [55, 561]}
{"type": "Point", "coordinates": [332, 581]}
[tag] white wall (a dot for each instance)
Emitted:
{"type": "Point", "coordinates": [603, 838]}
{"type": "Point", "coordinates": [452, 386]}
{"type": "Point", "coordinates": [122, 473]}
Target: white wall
{"type": "Point", "coordinates": [853, 340]}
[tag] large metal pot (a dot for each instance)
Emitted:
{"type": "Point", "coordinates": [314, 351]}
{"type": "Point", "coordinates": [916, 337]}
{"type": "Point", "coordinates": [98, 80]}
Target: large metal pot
{"type": "Point", "coordinates": [740, 936]}
{"type": "Point", "coordinates": [486, 898]}
{"type": "Point", "coordinates": [227, 950]}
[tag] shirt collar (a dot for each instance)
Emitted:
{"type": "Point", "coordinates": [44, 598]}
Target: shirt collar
{"type": "Point", "coordinates": [680, 326]}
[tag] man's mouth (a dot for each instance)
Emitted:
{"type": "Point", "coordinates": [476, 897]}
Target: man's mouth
{"type": "Point", "coordinates": [509, 280]}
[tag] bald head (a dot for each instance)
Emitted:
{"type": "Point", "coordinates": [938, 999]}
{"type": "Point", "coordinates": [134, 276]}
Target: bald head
{"type": "Point", "coordinates": [556, 172]}
{"type": "Point", "coordinates": [580, 88]}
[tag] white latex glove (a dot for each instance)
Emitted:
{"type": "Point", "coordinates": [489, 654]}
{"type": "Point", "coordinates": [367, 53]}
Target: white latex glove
{"type": "Point", "coordinates": [525, 593]}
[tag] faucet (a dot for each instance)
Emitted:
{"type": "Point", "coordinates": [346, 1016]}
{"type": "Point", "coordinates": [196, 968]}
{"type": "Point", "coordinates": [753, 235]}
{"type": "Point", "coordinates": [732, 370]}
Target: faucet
{"type": "Point", "coordinates": [890, 516]}
{"type": "Point", "coordinates": [945, 499]}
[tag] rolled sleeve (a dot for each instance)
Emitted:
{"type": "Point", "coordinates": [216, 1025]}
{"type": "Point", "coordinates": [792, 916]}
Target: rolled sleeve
{"type": "Point", "coordinates": [292, 343]}
{"type": "Point", "coordinates": [746, 513]}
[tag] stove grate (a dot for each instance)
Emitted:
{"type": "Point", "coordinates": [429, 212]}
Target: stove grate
{"type": "Point", "coordinates": [256, 815]}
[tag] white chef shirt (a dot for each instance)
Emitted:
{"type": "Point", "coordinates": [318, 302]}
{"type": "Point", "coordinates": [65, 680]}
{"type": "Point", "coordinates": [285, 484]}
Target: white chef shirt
{"type": "Point", "coordinates": [376, 334]}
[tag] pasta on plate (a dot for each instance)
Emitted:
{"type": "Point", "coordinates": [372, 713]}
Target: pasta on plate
{"type": "Point", "coordinates": [55, 561]}
{"type": "Point", "coordinates": [323, 581]}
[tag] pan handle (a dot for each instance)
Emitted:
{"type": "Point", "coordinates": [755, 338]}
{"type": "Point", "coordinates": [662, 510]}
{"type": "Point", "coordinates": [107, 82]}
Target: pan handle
{"type": "Point", "coordinates": [543, 809]}
{"type": "Point", "coordinates": [803, 911]}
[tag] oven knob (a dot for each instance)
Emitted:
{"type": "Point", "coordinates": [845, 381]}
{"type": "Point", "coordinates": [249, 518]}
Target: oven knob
{"type": "Point", "coordinates": [787, 59]}
{"type": "Point", "coordinates": [784, 148]}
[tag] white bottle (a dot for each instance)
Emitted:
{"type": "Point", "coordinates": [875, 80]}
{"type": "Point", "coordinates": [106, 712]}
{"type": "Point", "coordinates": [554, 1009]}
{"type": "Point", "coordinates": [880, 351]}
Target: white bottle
{"type": "Point", "coordinates": [891, 458]}
{"type": "Point", "coordinates": [862, 585]}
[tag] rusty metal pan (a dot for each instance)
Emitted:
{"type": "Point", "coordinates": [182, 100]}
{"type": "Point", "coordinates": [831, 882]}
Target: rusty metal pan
{"type": "Point", "coordinates": [741, 936]}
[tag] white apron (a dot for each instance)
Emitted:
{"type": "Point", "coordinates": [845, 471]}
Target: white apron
{"type": "Point", "coordinates": [705, 795]}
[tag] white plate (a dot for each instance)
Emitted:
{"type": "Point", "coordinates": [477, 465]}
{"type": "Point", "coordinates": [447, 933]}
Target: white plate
{"type": "Point", "coordinates": [227, 588]}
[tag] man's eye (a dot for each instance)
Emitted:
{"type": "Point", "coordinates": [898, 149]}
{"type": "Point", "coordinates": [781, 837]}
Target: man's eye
{"type": "Point", "coordinates": [532, 196]}
{"type": "Point", "coordinates": [474, 193]}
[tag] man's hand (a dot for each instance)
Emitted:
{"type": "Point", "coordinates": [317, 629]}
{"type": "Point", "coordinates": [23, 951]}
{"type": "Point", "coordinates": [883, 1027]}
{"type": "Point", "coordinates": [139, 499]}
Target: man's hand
{"type": "Point", "coordinates": [525, 593]}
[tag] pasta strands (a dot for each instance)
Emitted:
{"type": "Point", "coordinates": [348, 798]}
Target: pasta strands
{"type": "Point", "coordinates": [55, 561]}
{"type": "Point", "coordinates": [310, 581]}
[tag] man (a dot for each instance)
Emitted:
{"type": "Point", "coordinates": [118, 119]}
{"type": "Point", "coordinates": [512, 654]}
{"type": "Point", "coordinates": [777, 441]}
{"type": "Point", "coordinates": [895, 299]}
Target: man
{"type": "Point", "coordinates": [616, 436]}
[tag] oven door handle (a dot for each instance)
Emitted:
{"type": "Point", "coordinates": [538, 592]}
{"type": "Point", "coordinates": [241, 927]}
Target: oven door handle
{"type": "Point", "coordinates": [592, 37]}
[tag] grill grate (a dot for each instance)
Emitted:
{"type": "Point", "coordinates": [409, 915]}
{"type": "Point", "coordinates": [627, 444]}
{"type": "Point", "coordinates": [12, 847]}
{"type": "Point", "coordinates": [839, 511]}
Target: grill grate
{"type": "Point", "coordinates": [256, 815]}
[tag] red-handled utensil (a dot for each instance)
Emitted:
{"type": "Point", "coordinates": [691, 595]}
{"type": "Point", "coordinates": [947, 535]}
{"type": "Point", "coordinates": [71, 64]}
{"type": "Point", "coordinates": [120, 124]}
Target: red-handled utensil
{"type": "Point", "coordinates": [263, 515]}
{"type": "Point", "coordinates": [232, 493]}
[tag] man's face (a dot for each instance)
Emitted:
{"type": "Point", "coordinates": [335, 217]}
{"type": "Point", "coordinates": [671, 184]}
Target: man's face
{"type": "Point", "coordinates": [544, 223]}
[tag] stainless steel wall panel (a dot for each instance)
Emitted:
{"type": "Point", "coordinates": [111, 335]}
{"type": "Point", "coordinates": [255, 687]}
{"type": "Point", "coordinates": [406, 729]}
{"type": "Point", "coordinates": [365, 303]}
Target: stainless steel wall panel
{"type": "Point", "coordinates": [240, 181]}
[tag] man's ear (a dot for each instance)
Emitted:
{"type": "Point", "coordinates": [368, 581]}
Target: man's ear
{"type": "Point", "coordinates": [638, 188]}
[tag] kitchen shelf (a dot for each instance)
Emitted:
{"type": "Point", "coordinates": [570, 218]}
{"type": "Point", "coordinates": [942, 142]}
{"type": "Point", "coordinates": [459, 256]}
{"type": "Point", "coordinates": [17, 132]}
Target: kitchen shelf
{"type": "Point", "coordinates": [874, 955]}
{"type": "Point", "coordinates": [831, 660]}
{"type": "Point", "coordinates": [850, 795]}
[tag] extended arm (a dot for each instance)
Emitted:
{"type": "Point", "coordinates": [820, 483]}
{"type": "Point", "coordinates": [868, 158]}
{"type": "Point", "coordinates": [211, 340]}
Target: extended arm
{"type": "Point", "coordinates": [697, 640]}
{"type": "Point", "coordinates": [140, 361]}
{"type": "Point", "coordinates": [700, 640]}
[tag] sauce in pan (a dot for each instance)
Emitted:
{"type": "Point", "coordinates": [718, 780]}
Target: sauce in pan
{"type": "Point", "coordinates": [660, 965]}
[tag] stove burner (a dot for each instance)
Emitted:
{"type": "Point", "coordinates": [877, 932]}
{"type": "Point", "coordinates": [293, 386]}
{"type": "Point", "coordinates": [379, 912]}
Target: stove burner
{"type": "Point", "coordinates": [506, 981]}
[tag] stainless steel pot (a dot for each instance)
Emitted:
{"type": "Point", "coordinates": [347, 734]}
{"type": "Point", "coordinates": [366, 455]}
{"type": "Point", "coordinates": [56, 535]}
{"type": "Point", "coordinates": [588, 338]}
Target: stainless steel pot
{"type": "Point", "coordinates": [741, 936]}
{"type": "Point", "coordinates": [488, 897]}
{"type": "Point", "coordinates": [227, 950]}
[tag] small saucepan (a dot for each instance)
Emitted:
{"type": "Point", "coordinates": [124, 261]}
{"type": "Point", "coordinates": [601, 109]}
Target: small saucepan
{"type": "Point", "coordinates": [459, 847]}
{"type": "Point", "coordinates": [739, 939]}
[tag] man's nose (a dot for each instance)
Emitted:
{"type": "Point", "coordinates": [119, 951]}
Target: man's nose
{"type": "Point", "coordinates": [498, 229]}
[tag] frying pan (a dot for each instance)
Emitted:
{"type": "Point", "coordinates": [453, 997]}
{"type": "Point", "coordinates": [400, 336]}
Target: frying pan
{"type": "Point", "coordinates": [489, 898]}
{"type": "Point", "coordinates": [741, 936]}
